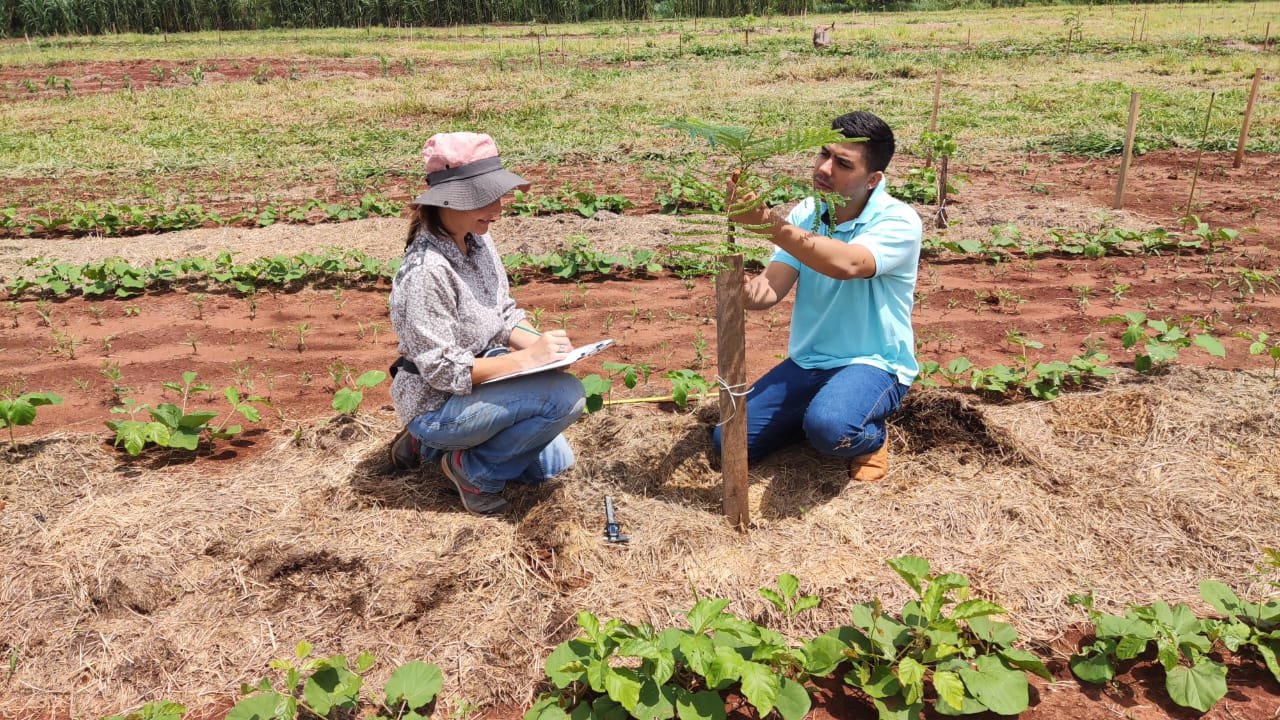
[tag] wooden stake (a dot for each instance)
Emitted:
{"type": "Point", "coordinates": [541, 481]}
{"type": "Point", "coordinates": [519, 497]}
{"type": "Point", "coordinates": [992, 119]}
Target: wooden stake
{"type": "Point", "coordinates": [1127, 156]}
{"type": "Point", "coordinates": [731, 354]}
{"type": "Point", "coordinates": [1248, 116]}
{"type": "Point", "coordinates": [1266, 39]}
{"type": "Point", "coordinates": [539, 39]}
{"type": "Point", "coordinates": [1200, 151]}
{"type": "Point", "coordinates": [1133, 34]}
{"type": "Point", "coordinates": [933, 116]}
{"type": "Point", "coordinates": [968, 36]}
{"type": "Point", "coordinates": [940, 220]}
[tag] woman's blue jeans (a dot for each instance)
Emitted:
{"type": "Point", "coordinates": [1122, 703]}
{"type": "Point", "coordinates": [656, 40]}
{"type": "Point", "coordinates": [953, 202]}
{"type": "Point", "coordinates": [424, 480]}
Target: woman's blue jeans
{"type": "Point", "coordinates": [840, 411]}
{"type": "Point", "coordinates": [511, 430]}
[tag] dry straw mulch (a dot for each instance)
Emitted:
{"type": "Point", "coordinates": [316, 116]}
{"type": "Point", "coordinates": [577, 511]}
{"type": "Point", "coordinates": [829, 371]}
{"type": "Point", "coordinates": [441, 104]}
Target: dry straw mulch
{"type": "Point", "coordinates": [125, 582]}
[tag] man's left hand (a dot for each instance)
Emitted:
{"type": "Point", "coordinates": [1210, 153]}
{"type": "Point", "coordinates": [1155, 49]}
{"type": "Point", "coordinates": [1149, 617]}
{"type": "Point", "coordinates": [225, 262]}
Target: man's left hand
{"type": "Point", "coordinates": [738, 199]}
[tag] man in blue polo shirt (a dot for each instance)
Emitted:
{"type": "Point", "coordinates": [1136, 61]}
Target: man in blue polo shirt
{"type": "Point", "coordinates": [851, 352]}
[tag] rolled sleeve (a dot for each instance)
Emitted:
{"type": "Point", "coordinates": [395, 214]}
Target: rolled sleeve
{"type": "Point", "coordinates": [893, 241]}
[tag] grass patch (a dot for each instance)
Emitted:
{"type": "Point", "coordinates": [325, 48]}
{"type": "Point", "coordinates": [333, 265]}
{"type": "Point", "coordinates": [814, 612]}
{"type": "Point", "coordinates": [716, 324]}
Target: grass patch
{"type": "Point", "coordinates": [1009, 82]}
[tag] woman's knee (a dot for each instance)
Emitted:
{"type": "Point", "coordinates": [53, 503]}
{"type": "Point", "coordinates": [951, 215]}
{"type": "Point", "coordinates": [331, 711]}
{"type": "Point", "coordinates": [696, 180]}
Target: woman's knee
{"type": "Point", "coordinates": [566, 394]}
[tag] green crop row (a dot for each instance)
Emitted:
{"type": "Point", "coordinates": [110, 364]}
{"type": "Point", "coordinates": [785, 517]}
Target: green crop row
{"type": "Point", "coordinates": [943, 651]}
{"type": "Point", "coordinates": [1156, 345]}
{"type": "Point", "coordinates": [118, 278]}
{"type": "Point", "coordinates": [1007, 240]}
{"type": "Point", "coordinates": [579, 258]}
{"type": "Point", "coordinates": [109, 218]}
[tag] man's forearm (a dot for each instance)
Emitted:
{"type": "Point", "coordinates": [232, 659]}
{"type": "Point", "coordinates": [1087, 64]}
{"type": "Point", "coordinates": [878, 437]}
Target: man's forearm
{"type": "Point", "coordinates": [823, 254]}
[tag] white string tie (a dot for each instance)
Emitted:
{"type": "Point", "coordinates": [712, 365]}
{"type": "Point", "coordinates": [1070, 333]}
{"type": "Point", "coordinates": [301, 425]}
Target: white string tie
{"type": "Point", "coordinates": [735, 392]}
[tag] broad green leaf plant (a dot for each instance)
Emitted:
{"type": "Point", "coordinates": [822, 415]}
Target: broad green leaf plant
{"type": "Point", "coordinates": [22, 411]}
{"type": "Point", "coordinates": [943, 638]}
{"type": "Point", "coordinates": [619, 670]}
{"type": "Point", "coordinates": [1184, 643]}
{"type": "Point", "coordinates": [347, 400]}
{"type": "Point", "coordinates": [330, 688]}
{"type": "Point", "coordinates": [1159, 341]}
{"type": "Point", "coordinates": [171, 426]}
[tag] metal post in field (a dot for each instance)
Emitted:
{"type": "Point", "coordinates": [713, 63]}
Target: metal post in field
{"type": "Point", "coordinates": [1248, 116]}
{"type": "Point", "coordinates": [1127, 156]}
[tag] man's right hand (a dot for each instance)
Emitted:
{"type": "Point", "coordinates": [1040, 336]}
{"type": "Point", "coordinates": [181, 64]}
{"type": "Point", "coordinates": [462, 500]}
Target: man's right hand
{"type": "Point", "coordinates": [766, 289]}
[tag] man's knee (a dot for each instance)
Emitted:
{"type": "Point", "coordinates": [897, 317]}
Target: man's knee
{"type": "Point", "coordinates": [845, 439]}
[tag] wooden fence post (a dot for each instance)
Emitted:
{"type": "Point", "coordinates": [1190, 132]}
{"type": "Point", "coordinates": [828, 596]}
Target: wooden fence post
{"type": "Point", "coordinates": [933, 116]}
{"type": "Point", "coordinates": [1248, 115]}
{"type": "Point", "coordinates": [940, 219]}
{"type": "Point", "coordinates": [1200, 151]}
{"type": "Point", "coordinates": [1127, 156]}
{"type": "Point", "coordinates": [731, 356]}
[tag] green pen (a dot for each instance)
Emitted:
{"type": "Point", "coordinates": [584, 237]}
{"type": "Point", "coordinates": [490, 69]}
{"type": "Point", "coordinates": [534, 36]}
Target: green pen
{"type": "Point", "coordinates": [528, 330]}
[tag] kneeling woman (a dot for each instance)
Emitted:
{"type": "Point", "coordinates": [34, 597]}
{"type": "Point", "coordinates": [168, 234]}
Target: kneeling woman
{"type": "Point", "coordinates": [458, 326]}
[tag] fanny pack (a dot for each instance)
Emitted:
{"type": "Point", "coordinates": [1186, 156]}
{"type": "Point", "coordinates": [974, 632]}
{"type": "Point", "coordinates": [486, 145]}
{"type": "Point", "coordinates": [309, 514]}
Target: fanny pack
{"type": "Point", "coordinates": [405, 364]}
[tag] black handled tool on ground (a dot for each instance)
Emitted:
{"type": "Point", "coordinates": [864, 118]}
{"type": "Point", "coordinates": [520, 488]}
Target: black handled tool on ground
{"type": "Point", "coordinates": [611, 533]}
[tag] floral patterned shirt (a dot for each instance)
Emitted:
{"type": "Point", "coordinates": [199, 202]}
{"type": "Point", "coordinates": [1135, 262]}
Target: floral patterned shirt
{"type": "Point", "coordinates": [447, 308]}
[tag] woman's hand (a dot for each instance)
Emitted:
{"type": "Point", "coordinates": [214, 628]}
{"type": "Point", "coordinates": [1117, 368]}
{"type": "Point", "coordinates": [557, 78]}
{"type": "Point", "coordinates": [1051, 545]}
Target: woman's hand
{"type": "Point", "coordinates": [552, 345]}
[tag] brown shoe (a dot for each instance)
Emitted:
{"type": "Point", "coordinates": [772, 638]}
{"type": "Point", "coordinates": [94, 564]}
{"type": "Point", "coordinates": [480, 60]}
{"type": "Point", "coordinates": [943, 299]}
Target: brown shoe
{"type": "Point", "coordinates": [872, 466]}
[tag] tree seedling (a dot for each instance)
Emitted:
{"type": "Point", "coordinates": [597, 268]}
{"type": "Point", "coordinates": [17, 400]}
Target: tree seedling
{"type": "Point", "coordinates": [302, 329]}
{"type": "Point", "coordinates": [198, 300]}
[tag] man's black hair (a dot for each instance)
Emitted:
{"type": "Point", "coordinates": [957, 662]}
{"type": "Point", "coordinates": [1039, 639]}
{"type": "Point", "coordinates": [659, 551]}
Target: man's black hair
{"type": "Point", "coordinates": [879, 145]}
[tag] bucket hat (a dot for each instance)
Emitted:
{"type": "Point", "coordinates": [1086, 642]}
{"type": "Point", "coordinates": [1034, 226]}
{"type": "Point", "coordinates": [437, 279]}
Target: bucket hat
{"type": "Point", "coordinates": [464, 172]}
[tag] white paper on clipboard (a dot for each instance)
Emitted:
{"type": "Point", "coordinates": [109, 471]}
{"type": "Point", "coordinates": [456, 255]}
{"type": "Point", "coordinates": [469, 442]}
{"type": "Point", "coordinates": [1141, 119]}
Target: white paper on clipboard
{"type": "Point", "coordinates": [576, 354]}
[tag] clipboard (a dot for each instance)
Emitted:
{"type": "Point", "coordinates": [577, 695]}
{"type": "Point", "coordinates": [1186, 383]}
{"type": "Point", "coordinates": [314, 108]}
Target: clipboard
{"type": "Point", "coordinates": [576, 354]}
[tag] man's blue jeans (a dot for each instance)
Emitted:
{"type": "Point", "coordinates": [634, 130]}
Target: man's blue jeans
{"type": "Point", "coordinates": [511, 430]}
{"type": "Point", "coordinates": [840, 411]}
